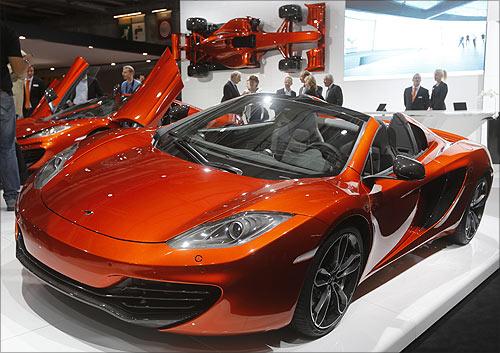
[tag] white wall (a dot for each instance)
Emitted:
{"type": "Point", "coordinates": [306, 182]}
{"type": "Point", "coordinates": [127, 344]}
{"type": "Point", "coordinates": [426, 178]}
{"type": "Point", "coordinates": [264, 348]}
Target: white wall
{"type": "Point", "coordinates": [363, 95]}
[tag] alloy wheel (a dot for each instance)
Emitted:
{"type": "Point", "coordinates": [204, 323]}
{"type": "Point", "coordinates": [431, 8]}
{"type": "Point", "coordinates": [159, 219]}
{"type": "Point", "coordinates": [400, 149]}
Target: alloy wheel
{"type": "Point", "coordinates": [335, 281]}
{"type": "Point", "coordinates": [476, 209]}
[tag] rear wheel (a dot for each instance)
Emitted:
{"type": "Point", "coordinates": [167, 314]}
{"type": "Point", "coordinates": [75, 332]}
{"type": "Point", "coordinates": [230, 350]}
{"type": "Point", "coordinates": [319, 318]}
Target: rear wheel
{"type": "Point", "coordinates": [330, 284]}
{"type": "Point", "coordinates": [292, 64]}
{"type": "Point", "coordinates": [472, 216]}
{"type": "Point", "coordinates": [291, 12]}
{"type": "Point", "coordinates": [196, 24]}
{"type": "Point", "coordinates": [198, 70]}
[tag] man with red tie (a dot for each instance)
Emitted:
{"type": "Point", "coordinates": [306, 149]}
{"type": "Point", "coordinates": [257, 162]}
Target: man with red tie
{"type": "Point", "coordinates": [34, 89]}
{"type": "Point", "coordinates": [416, 97]}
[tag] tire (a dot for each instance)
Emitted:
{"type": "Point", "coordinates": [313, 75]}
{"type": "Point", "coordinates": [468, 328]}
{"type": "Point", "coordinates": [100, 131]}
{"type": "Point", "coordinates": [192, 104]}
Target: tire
{"type": "Point", "coordinates": [199, 70]}
{"type": "Point", "coordinates": [292, 64]}
{"type": "Point", "coordinates": [196, 24]}
{"type": "Point", "coordinates": [291, 12]}
{"type": "Point", "coordinates": [473, 213]}
{"type": "Point", "coordinates": [310, 321]}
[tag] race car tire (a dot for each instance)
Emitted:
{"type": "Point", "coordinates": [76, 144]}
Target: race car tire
{"type": "Point", "coordinates": [290, 64]}
{"type": "Point", "coordinates": [291, 12]}
{"type": "Point", "coordinates": [196, 24]}
{"type": "Point", "coordinates": [199, 70]}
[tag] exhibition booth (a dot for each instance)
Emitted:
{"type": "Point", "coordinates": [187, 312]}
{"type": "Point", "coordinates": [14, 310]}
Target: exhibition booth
{"type": "Point", "coordinates": [199, 209]}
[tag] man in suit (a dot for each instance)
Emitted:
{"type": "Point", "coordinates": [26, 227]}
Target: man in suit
{"type": "Point", "coordinates": [416, 97]}
{"type": "Point", "coordinates": [88, 88]}
{"type": "Point", "coordinates": [230, 90]}
{"type": "Point", "coordinates": [287, 90]}
{"type": "Point", "coordinates": [303, 76]}
{"type": "Point", "coordinates": [333, 93]}
{"type": "Point", "coordinates": [34, 89]}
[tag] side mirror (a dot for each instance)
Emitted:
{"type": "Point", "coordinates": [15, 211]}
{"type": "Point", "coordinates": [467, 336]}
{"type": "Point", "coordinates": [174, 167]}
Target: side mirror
{"type": "Point", "coordinates": [50, 96]}
{"type": "Point", "coordinates": [175, 113]}
{"type": "Point", "coordinates": [407, 168]}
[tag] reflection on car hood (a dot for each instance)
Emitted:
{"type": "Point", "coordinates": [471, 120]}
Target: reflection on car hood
{"type": "Point", "coordinates": [29, 126]}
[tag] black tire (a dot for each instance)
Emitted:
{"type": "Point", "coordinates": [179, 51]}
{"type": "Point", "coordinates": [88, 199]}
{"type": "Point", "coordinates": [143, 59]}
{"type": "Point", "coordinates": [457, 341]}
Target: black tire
{"type": "Point", "coordinates": [196, 24]}
{"type": "Point", "coordinates": [292, 64]}
{"type": "Point", "coordinates": [199, 70]}
{"type": "Point", "coordinates": [291, 12]}
{"type": "Point", "coordinates": [473, 213]}
{"type": "Point", "coordinates": [326, 275]}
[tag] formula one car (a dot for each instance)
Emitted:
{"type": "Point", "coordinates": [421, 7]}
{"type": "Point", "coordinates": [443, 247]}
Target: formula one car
{"type": "Point", "coordinates": [207, 230]}
{"type": "Point", "coordinates": [240, 43]}
{"type": "Point", "coordinates": [54, 127]}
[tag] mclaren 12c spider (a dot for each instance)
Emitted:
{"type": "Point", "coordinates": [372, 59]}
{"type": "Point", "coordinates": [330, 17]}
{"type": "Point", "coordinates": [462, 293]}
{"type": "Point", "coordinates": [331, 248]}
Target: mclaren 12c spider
{"type": "Point", "coordinates": [210, 228]}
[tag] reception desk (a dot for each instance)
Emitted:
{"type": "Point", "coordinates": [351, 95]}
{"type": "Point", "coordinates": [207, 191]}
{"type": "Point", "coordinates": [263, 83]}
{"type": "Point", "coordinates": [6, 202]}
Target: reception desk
{"type": "Point", "coordinates": [470, 124]}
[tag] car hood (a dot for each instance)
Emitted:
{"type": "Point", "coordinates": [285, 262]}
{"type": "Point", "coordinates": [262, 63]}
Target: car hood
{"type": "Point", "coordinates": [29, 126]}
{"type": "Point", "coordinates": [143, 194]}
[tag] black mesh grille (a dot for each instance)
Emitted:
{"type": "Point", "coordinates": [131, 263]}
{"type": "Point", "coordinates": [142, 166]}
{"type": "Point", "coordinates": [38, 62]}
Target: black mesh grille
{"type": "Point", "coordinates": [143, 302]}
{"type": "Point", "coordinates": [32, 156]}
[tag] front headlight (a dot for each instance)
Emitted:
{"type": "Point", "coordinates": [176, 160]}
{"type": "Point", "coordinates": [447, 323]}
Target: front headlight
{"type": "Point", "coordinates": [53, 166]}
{"type": "Point", "coordinates": [51, 131]}
{"type": "Point", "coordinates": [233, 231]}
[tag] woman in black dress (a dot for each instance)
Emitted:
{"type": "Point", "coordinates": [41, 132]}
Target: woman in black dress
{"type": "Point", "coordinates": [439, 91]}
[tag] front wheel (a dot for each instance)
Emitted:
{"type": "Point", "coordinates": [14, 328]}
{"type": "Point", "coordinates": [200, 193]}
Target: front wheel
{"type": "Point", "coordinates": [473, 213]}
{"type": "Point", "coordinates": [291, 12]}
{"type": "Point", "coordinates": [330, 283]}
{"type": "Point", "coordinates": [292, 64]}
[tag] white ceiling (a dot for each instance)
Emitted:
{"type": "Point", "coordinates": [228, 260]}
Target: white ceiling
{"type": "Point", "coordinates": [50, 54]}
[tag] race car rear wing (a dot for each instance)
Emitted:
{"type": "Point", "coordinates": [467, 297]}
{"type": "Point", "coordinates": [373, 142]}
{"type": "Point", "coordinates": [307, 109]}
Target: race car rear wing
{"type": "Point", "coordinates": [316, 18]}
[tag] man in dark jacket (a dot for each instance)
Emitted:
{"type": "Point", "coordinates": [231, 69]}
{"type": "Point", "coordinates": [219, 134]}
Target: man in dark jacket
{"type": "Point", "coordinates": [88, 88]}
{"type": "Point", "coordinates": [333, 93]}
{"type": "Point", "coordinates": [416, 97]}
{"type": "Point", "coordinates": [34, 89]}
{"type": "Point", "coordinates": [287, 89]}
{"type": "Point", "coordinates": [231, 87]}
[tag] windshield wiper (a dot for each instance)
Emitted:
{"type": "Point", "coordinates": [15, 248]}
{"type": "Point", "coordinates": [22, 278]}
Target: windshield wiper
{"type": "Point", "coordinates": [200, 158]}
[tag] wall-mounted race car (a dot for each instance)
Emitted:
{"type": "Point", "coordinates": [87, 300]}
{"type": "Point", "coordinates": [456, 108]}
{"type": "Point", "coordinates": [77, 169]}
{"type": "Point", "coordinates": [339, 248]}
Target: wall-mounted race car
{"type": "Point", "coordinates": [241, 43]}
{"type": "Point", "coordinates": [54, 126]}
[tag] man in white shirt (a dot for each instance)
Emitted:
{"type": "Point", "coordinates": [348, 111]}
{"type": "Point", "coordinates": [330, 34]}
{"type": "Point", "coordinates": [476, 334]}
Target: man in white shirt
{"type": "Point", "coordinates": [87, 89]}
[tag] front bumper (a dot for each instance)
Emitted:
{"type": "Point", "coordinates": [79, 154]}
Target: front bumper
{"type": "Point", "coordinates": [142, 302]}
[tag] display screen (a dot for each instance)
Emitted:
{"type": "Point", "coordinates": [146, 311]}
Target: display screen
{"type": "Point", "coordinates": [396, 37]}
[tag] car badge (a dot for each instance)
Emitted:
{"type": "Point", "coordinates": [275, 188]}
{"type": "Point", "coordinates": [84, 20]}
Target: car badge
{"type": "Point", "coordinates": [88, 212]}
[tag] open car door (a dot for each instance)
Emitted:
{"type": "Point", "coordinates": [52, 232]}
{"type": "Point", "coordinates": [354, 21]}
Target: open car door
{"type": "Point", "coordinates": [150, 102]}
{"type": "Point", "coordinates": [61, 88]}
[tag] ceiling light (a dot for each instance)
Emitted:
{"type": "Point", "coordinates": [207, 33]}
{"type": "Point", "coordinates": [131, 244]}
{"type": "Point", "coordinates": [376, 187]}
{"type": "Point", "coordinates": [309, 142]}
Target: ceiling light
{"type": "Point", "coordinates": [52, 69]}
{"type": "Point", "coordinates": [148, 61]}
{"type": "Point", "coordinates": [91, 47]}
{"type": "Point", "coordinates": [144, 53]}
{"type": "Point", "coordinates": [128, 14]}
{"type": "Point", "coordinates": [113, 64]}
{"type": "Point", "coordinates": [22, 37]}
{"type": "Point", "coordinates": [159, 10]}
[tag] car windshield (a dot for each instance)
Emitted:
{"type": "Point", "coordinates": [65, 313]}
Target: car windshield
{"type": "Point", "coordinates": [98, 107]}
{"type": "Point", "coordinates": [269, 137]}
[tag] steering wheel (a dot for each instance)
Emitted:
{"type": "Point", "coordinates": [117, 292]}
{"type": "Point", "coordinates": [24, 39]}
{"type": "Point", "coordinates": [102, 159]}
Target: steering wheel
{"type": "Point", "coordinates": [331, 153]}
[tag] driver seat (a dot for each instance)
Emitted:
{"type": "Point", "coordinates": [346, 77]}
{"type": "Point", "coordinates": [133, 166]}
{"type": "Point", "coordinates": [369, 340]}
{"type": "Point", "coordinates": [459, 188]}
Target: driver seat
{"type": "Point", "coordinates": [298, 155]}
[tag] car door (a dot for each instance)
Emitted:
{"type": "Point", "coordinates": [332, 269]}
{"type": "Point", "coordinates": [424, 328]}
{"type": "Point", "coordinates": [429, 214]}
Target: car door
{"type": "Point", "coordinates": [61, 88]}
{"type": "Point", "coordinates": [150, 102]}
{"type": "Point", "coordinates": [395, 204]}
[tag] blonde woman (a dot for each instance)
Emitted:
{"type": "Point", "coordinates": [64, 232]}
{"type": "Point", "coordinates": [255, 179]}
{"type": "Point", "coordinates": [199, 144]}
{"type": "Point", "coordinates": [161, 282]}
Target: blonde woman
{"type": "Point", "coordinates": [311, 88]}
{"type": "Point", "coordinates": [439, 90]}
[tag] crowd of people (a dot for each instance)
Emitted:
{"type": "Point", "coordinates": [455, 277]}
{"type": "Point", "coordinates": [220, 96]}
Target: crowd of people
{"type": "Point", "coordinates": [309, 86]}
{"type": "Point", "coordinates": [415, 97]}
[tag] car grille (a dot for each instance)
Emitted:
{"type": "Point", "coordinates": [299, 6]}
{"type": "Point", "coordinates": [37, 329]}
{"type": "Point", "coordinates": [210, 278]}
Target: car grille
{"type": "Point", "coordinates": [33, 156]}
{"type": "Point", "coordinates": [143, 302]}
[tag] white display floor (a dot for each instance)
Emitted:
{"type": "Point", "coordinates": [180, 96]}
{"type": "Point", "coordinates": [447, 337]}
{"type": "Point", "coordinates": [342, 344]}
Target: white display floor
{"type": "Point", "coordinates": [392, 308]}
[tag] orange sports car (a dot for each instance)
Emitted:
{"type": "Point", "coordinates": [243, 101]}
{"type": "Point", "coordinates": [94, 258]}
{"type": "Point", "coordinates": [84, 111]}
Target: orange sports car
{"type": "Point", "coordinates": [54, 126]}
{"type": "Point", "coordinates": [209, 228]}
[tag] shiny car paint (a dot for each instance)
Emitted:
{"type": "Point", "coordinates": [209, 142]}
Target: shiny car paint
{"type": "Point", "coordinates": [141, 197]}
